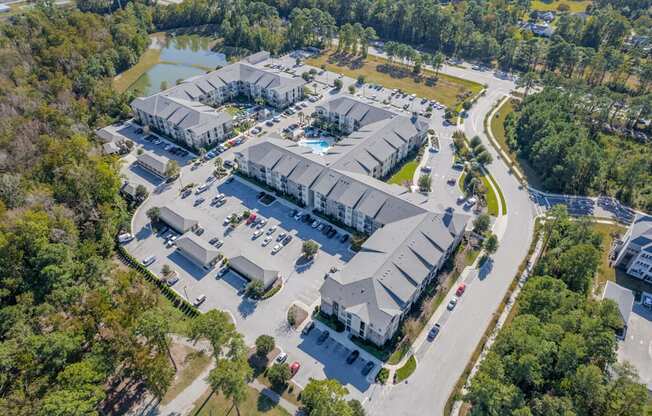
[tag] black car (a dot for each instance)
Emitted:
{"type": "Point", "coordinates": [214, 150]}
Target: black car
{"type": "Point", "coordinates": [213, 240]}
{"type": "Point", "coordinates": [287, 240]}
{"type": "Point", "coordinates": [344, 238]}
{"type": "Point", "coordinates": [260, 194]}
{"type": "Point", "coordinates": [352, 357]}
{"type": "Point", "coordinates": [306, 329]}
{"type": "Point", "coordinates": [326, 229]}
{"type": "Point", "coordinates": [331, 233]}
{"type": "Point", "coordinates": [367, 368]}
{"type": "Point", "coordinates": [322, 337]}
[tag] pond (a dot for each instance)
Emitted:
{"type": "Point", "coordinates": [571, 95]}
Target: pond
{"type": "Point", "coordinates": [181, 57]}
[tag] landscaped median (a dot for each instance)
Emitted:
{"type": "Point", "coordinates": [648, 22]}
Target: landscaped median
{"type": "Point", "coordinates": [406, 371]}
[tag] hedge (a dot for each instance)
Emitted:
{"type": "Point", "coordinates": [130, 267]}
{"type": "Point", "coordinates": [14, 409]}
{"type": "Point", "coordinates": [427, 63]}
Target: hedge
{"type": "Point", "coordinates": [179, 302]}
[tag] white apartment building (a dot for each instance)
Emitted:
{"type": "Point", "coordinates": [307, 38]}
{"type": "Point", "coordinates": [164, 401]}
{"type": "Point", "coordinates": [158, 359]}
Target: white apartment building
{"type": "Point", "coordinates": [634, 254]}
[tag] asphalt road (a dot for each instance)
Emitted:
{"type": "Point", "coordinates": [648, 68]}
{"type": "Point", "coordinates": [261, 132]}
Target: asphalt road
{"type": "Point", "coordinates": [441, 363]}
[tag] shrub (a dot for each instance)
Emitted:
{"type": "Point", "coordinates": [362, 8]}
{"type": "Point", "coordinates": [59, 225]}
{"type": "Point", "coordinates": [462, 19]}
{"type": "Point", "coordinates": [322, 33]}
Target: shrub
{"type": "Point", "coordinates": [279, 374]}
{"type": "Point", "coordinates": [264, 345]}
{"type": "Point", "coordinates": [382, 376]}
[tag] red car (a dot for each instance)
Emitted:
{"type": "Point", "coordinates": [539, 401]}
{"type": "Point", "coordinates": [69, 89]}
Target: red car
{"type": "Point", "coordinates": [294, 367]}
{"type": "Point", "coordinates": [460, 289]}
{"type": "Point", "coordinates": [252, 218]}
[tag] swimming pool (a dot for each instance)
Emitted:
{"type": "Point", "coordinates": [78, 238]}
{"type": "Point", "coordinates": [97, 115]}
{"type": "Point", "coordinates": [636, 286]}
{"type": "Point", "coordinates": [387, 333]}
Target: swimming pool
{"type": "Point", "coordinates": [318, 146]}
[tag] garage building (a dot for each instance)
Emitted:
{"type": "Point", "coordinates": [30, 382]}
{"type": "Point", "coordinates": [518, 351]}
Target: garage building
{"type": "Point", "coordinates": [252, 271]}
{"type": "Point", "coordinates": [197, 250]}
{"type": "Point", "coordinates": [172, 216]}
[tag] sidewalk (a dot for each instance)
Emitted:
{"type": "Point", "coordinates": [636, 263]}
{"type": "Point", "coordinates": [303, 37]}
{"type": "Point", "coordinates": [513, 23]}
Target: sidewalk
{"type": "Point", "coordinates": [276, 398]}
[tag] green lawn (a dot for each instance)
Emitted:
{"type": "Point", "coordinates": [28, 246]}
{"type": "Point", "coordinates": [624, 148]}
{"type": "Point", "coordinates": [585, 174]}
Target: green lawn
{"type": "Point", "coordinates": [398, 354]}
{"type": "Point", "coordinates": [407, 370]}
{"type": "Point", "coordinates": [254, 405]}
{"type": "Point", "coordinates": [573, 6]}
{"type": "Point", "coordinates": [492, 199]}
{"type": "Point", "coordinates": [497, 126]}
{"type": "Point", "coordinates": [405, 174]}
{"type": "Point", "coordinates": [446, 90]}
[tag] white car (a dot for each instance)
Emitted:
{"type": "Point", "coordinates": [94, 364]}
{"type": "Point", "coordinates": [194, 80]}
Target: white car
{"type": "Point", "coordinates": [281, 236]}
{"type": "Point", "coordinates": [125, 238]}
{"type": "Point", "coordinates": [257, 234]}
{"type": "Point", "coordinates": [315, 224]}
{"type": "Point", "coordinates": [149, 260]}
{"type": "Point", "coordinates": [261, 223]}
{"type": "Point", "coordinates": [271, 230]}
{"type": "Point", "coordinates": [171, 241]}
{"type": "Point", "coordinates": [298, 215]}
{"type": "Point", "coordinates": [472, 201]}
{"type": "Point", "coordinates": [227, 219]}
{"type": "Point", "coordinates": [277, 248]}
{"type": "Point", "coordinates": [266, 241]}
{"type": "Point", "coordinates": [452, 303]}
{"type": "Point", "coordinates": [281, 358]}
{"type": "Point", "coordinates": [201, 188]}
{"type": "Point", "coordinates": [199, 300]}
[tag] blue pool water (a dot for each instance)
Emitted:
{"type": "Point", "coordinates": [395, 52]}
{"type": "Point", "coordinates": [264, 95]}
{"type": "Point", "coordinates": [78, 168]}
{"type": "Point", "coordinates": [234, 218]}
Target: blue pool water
{"type": "Point", "coordinates": [317, 146]}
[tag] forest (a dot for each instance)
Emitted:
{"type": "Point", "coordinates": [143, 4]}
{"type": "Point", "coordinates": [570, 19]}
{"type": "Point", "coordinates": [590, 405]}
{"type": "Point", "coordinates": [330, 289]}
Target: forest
{"type": "Point", "coordinates": [558, 355]}
{"type": "Point", "coordinates": [564, 134]}
{"type": "Point", "coordinates": [72, 324]}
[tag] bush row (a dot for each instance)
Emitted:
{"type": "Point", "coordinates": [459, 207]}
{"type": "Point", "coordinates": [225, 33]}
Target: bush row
{"type": "Point", "coordinates": [180, 303]}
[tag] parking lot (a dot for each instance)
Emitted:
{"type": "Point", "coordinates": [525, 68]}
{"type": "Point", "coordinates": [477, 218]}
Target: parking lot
{"type": "Point", "coordinates": [637, 347]}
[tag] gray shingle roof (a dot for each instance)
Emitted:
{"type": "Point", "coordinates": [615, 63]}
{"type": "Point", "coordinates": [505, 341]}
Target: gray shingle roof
{"type": "Point", "coordinates": [196, 249]}
{"type": "Point", "coordinates": [173, 216]}
{"type": "Point", "coordinates": [153, 161]}
{"type": "Point", "coordinates": [252, 271]}
{"type": "Point", "coordinates": [358, 110]}
{"type": "Point", "coordinates": [623, 297]}
{"type": "Point", "coordinates": [385, 274]}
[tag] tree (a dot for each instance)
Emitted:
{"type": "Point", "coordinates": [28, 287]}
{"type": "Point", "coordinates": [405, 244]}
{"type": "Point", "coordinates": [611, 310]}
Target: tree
{"type": "Point", "coordinates": [424, 182]}
{"type": "Point", "coordinates": [484, 158]}
{"type": "Point", "coordinates": [526, 81]}
{"type": "Point", "coordinates": [154, 214]}
{"type": "Point", "coordinates": [490, 244]}
{"type": "Point", "coordinates": [230, 377]}
{"type": "Point", "coordinates": [264, 345]}
{"type": "Point", "coordinates": [141, 193]}
{"type": "Point", "coordinates": [361, 79]}
{"type": "Point", "coordinates": [309, 248]}
{"type": "Point", "coordinates": [475, 142]}
{"type": "Point", "coordinates": [279, 375]}
{"type": "Point", "coordinates": [437, 62]}
{"type": "Point", "coordinates": [172, 169]}
{"type": "Point", "coordinates": [255, 289]}
{"type": "Point", "coordinates": [155, 328]}
{"type": "Point", "coordinates": [356, 408]}
{"type": "Point", "coordinates": [216, 327]}
{"type": "Point", "coordinates": [351, 89]}
{"type": "Point", "coordinates": [166, 270]}
{"type": "Point", "coordinates": [325, 397]}
{"type": "Point", "coordinates": [482, 223]}
{"type": "Point", "coordinates": [337, 84]}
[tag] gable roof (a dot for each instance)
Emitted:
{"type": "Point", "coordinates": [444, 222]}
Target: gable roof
{"type": "Point", "coordinates": [252, 270]}
{"type": "Point", "coordinates": [153, 161]}
{"type": "Point", "coordinates": [197, 249]}
{"type": "Point", "coordinates": [173, 216]}
{"type": "Point", "coordinates": [623, 297]}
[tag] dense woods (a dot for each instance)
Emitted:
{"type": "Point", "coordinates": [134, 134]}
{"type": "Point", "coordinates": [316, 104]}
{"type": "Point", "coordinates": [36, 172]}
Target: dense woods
{"type": "Point", "coordinates": [558, 354]}
{"type": "Point", "coordinates": [563, 133]}
{"type": "Point", "coordinates": [71, 325]}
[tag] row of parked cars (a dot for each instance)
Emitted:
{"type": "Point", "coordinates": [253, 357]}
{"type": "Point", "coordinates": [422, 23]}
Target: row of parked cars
{"type": "Point", "coordinates": [350, 359]}
{"type": "Point", "coordinates": [166, 146]}
{"type": "Point", "coordinates": [326, 229]}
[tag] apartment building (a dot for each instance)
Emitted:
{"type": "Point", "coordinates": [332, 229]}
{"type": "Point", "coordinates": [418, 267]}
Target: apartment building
{"type": "Point", "coordinates": [634, 253]}
{"type": "Point", "coordinates": [407, 247]}
{"type": "Point", "coordinates": [185, 112]}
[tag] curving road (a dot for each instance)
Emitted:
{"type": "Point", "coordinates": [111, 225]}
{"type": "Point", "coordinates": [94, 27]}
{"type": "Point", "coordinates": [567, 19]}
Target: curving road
{"type": "Point", "coordinates": [441, 363]}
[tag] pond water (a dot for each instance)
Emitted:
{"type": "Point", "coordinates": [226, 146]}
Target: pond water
{"type": "Point", "coordinates": [182, 57]}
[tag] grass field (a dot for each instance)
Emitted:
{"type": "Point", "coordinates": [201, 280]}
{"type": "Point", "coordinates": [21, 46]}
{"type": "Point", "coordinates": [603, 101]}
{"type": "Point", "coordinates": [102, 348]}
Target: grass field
{"type": "Point", "coordinates": [446, 90]}
{"type": "Point", "coordinates": [497, 126]}
{"type": "Point", "coordinates": [196, 363]}
{"type": "Point", "coordinates": [406, 173]}
{"type": "Point", "coordinates": [254, 405]}
{"type": "Point", "coordinates": [125, 79]}
{"type": "Point", "coordinates": [573, 6]}
{"type": "Point", "coordinates": [491, 197]}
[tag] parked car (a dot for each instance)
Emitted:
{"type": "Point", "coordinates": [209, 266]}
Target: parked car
{"type": "Point", "coordinates": [281, 236]}
{"type": "Point", "coordinates": [277, 248]}
{"type": "Point", "coordinates": [323, 337]}
{"type": "Point", "coordinates": [309, 327]}
{"type": "Point", "coordinates": [326, 229]}
{"type": "Point", "coordinates": [294, 367]}
{"type": "Point", "coordinates": [198, 201]}
{"type": "Point", "coordinates": [298, 215]}
{"type": "Point", "coordinates": [251, 218]}
{"type": "Point", "coordinates": [227, 219]}
{"type": "Point", "coordinates": [149, 260]}
{"type": "Point", "coordinates": [125, 238]}
{"type": "Point", "coordinates": [451, 181]}
{"type": "Point", "coordinates": [281, 358]}
{"type": "Point", "coordinates": [458, 166]}
{"type": "Point", "coordinates": [367, 368]}
{"type": "Point", "coordinates": [344, 238]}
{"type": "Point", "coordinates": [271, 230]}
{"type": "Point", "coordinates": [256, 234]}
{"type": "Point", "coordinates": [201, 188]}
{"type": "Point", "coordinates": [287, 240]}
{"type": "Point", "coordinates": [460, 289]}
{"type": "Point", "coordinates": [315, 224]}
{"type": "Point", "coordinates": [352, 357]}
{"type": "Point", "coordinates": [452, 303]}
{"type": "Point", "coordinates": [433, 332]}
{"type": "Point", "coordinates": [331, 233]}
{"type": "Point", "coordinates": [266, 241]}
{"type": "Point", "coordinates": [171, 281]}
{"type": "Point", "coordinates": [261, 223]}
{"type": "Point", "coordinates": [426, 169]}
{"type": "Point", "coordinates": [229, 180]}
{"type": "Point", "coordinates": [213, 240]}
{"type": "Point", "coordinates": [219, 243]}
{"type": "Point", "coordinates": [199, 300]}
{"type": "Point", "coordinates": [199, 231]}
